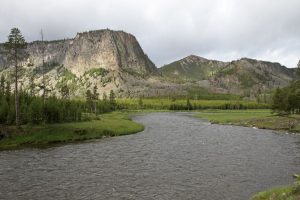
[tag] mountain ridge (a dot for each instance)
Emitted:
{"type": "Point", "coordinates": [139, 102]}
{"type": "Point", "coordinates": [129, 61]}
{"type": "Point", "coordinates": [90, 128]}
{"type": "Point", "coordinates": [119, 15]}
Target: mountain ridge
{"type": "Point", "coordinates": [114, 60]}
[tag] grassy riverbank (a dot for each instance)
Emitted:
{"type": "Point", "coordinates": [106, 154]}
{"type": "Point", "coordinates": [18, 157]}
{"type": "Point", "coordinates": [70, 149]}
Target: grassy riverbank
{"type": "Point", "coordinates": [107, 125]}
{"type": "Point", "coordinates": [262, 118]}
{"type": "Point", "coordinates": [291, 192]}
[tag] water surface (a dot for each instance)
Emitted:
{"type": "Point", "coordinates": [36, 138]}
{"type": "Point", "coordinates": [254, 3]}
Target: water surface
{"type": "Point", "coordinates": [175, 157]}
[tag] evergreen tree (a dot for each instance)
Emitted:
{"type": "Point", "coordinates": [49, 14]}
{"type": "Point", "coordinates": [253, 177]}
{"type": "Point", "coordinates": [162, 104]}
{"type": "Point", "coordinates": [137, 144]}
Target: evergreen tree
{"type": "Point", "coordinates": [140, 102]}
{"type": "Point", "coordinates": [189, 105]}
{"type": "Point", "coordinates": [32, 86]}
{"type": "Point", "coordinates": [112, 99]}
{"type": "Point", "coordinates": [2, 85]}
{"type": "Point", "coordinates": [15, 49]}
{"type": "Point", "coordinates": [95, 98]}
{"type": "Point", "coordinates": [64, 92]}
{"type": "Point", "coordinates": [36, 111]}
{"type": "Point", "coordinates": [89, 100]}
{"type": "Point", "coordinates": [4, 110]}
{"type": "Point", "coordinates": [8, 92]}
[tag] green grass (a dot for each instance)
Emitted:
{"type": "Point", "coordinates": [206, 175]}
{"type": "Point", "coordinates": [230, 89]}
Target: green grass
{"type": "Point", "coordinates": [112, 124]}
{"type": "Point", "coordinates": [262, 118]}
{"type": "Point", "coordinates": [165, 104]}
{"type": "Point", "coordinates": [232, 116]}
{"type": "Point", "coordinates": [291, 192]}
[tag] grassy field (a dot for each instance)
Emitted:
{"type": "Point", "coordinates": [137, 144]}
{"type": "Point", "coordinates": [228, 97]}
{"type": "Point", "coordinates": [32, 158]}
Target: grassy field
{"type": "Point", "coordinates": [291, 192]}
{"type": "Point", "coordinates": [263, 119]}
{"type": "Point", "coordinates": [165, 104]}
{"type": "Point", "coordinates": [108, 125]}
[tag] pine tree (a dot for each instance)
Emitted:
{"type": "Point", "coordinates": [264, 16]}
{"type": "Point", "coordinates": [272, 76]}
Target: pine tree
{"type": "Point", "coordinates": [112, 99]}
{"type": "Point", "coordinates": [89, 100]}
{"type": "Point", "coordinates": [95, 98]}
{"type": "Point", "coordinates": [64, 92]}
{"type": "Point", "coordinates": [140, 102]}
{"type": "Point", "coordinates": [32, 86]}
{"type": "Point", "coordinates": [189, 105]}
{"type": "Point", "coordinates": [2, 85]}
{"type": "Point", "coordinates": [15, 49]}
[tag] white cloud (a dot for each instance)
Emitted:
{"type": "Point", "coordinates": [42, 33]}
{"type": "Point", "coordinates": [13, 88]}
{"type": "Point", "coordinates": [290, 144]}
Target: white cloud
{"type": "Point", "coordinates": [170, 29]}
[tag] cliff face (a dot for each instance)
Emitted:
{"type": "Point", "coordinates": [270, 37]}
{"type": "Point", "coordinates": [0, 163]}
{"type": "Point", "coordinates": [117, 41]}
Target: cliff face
{"type": "Point", "coordinates": [111, 50]}
{"type": "Point", "coordinates": [112, 60]}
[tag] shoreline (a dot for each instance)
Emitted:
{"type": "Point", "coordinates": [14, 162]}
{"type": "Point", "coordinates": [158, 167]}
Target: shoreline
{"type": "Point", "coordinates": [49, 135]}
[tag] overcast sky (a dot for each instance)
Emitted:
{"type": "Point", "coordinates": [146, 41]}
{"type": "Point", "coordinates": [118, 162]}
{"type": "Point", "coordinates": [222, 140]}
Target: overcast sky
{"type": "Point", "coordinates": [170, 29]}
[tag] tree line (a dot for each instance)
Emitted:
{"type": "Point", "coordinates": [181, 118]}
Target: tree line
{"type": "Point", "coordinates": [35, 109]}
{"type": "Point", "coordinates": [287, 100]}
{"type": "Point", "coordinates": [22, 107]}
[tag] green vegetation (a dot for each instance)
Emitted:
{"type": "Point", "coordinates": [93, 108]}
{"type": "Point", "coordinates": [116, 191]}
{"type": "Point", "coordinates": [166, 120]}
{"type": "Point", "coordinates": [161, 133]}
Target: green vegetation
{"type": "Point", "coordinates": [263, 119]}
{"type": "Point", "coordinates": [35, 110]}
{"type": "Point", "coordinates": [198, 93]}
{"type": "Point", "coordinates": [233, 116]}
{"type": "Point", "coordinates": [287, 100]}
{"type": "Point", "coordinates": [181, 104]}
{"type": "Point", "coordinates": [105, 125]}
{"type": "Point", "coordinates": [184, 70]}
{"type": "Point", "coordinates": [96, 72]}
{"type": "Point", "coordinates": [291, 192]}
{"type": "Point", "coordinates": [15, 49]}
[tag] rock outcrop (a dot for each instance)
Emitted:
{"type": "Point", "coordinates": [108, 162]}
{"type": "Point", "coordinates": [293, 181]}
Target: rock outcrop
{"type": "Point", "coordinates": [111, 60]}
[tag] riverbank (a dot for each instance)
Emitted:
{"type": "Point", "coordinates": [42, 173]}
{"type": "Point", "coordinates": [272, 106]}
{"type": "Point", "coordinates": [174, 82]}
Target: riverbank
{"type": "Point", "coordinates": [291, 192]}
{"type": "Point", "coordinates": [261, 118]}
{"type": "Point", "coordinates": [106, 125]}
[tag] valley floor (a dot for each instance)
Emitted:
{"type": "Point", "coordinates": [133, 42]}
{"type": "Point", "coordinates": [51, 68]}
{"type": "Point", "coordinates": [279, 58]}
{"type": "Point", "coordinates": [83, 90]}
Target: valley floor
{"type": "Point", "coordinates": [107, 125]}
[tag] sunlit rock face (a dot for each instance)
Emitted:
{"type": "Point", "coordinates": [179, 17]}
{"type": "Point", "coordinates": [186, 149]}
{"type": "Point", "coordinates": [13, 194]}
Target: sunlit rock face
{"type": "Point", "coordinates": [111, 60]}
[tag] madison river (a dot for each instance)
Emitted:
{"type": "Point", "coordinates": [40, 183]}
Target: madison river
{"type": "Point", "coordinates": [177, 156]}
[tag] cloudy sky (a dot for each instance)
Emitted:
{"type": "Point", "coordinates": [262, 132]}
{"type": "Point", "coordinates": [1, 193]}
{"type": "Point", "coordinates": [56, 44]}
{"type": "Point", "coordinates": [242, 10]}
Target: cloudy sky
{"type": "Point", "coordinates": [170, 29]}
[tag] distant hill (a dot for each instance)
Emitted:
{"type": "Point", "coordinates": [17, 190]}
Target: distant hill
{"type": "Point", "coordinates": [233, 77]}
{"type": "Point", "coordinates": [192, 68]}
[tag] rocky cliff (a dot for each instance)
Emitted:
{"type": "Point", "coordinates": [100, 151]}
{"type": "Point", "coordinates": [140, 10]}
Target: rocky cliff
{"type": "Point", "coordinates": [112, 60]}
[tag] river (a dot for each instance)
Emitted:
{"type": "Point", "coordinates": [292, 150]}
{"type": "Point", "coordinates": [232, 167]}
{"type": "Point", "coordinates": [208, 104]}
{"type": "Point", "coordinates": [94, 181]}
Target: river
{"type": "Point", "coordinates": [175, 157]}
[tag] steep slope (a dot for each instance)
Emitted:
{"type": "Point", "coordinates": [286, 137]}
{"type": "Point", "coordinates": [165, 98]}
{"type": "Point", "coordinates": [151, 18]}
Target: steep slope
{"type": "Point", "coordinates": [112, 60]}
{"type": "Point", "coordinates": [239, 77]}
{"type": "Point", "coordinates": [250, 74]}
{"type": "Point", "coordinates": [192, 68]}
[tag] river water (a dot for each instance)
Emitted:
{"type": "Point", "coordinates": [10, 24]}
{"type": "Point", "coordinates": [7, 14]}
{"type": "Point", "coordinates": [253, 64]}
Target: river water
{"type": "Point", "coordinates": [175, 157]}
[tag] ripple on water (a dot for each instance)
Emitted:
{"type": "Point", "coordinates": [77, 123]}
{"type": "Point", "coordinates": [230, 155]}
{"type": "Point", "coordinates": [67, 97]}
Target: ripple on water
{"type": "Point", "coordinates": [175, 157]}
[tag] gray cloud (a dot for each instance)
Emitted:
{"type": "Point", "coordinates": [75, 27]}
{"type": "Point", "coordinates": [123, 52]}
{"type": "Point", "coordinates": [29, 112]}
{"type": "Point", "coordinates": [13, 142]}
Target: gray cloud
{"type": "Point", "coordinates": [170, 29]}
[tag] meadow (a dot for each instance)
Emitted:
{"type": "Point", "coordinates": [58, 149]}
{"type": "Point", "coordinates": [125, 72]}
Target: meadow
{"type": "Point", "coordinates": [105, 125]}
{"type": "Point", "coordinates": [260, 118]}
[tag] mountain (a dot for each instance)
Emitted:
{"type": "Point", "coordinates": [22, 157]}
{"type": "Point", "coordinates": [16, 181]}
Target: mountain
{"type": "Point", "coordinates": [112, 60]}
{"type": "Point", "coordinates": [233, 77]}
{"type": "Point", "coordinates": [191, 68]}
